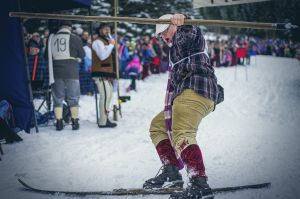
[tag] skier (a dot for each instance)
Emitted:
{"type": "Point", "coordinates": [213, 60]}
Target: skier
{"type": "Point", "coordinates": [192, 93]}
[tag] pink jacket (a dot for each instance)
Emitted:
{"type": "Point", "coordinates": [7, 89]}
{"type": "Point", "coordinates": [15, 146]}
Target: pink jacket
{"type": "Point", "coordinates": [135, 63]}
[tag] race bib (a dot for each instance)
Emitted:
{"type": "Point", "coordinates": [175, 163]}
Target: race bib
{"type": "Point", "coordinates": [60, 46]}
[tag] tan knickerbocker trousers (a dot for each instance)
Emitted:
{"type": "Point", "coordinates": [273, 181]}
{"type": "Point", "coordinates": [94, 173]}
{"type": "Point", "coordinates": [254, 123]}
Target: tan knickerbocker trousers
{"type": "Point", "coordinates": [188, 110]}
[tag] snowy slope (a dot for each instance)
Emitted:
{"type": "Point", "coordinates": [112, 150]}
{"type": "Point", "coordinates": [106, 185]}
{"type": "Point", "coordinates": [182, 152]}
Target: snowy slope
{"type": "Point", "coordinates": [252, 137]}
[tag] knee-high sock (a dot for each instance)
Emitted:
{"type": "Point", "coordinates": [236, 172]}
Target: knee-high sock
{"type": "Point", "coordinates": [192, 158]}
{"type": "Point", "coordinates": [166, 153]}
{"type": "Point", "coordinates": [74, 112]}
{"type": "Point", "coordinates": [58, 111]}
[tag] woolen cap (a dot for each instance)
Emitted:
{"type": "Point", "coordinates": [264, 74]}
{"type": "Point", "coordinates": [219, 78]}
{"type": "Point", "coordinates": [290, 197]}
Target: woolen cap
{"type": "Point", "coordinates": [162, 27]}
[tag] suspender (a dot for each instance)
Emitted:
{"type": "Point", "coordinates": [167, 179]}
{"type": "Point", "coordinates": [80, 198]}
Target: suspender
{"type": "Point", "coordinates": [188, 57]}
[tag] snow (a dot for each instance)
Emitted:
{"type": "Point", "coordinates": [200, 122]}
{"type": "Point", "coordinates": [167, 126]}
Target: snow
{"type": "Point", "coordinates": [129, 34]}
{"type": "Point", "coordinates": [121, 30]}
{"type": "Point", "coordinates": [139, 29]}
{"type": "Point", "coordinates": [253, 137]}
{"type": "Point", "coordinates": [135, 1]}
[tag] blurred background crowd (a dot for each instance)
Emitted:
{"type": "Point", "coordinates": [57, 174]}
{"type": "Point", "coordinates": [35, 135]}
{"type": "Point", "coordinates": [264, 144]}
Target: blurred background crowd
{"type": "Point", "coordinates": [150, 55]}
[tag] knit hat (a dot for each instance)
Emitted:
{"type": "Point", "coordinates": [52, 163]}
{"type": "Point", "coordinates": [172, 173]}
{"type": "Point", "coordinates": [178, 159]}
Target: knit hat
{"type": "Point", "coordinates": [162, 27]}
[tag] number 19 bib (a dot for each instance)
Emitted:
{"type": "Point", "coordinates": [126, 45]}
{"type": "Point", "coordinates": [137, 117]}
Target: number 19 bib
{"type": "Point", "coordinates": [60, 46]}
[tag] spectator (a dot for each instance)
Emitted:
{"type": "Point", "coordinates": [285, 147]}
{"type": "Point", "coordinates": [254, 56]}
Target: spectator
{"type": "Point", "coordinates": [155, 66]}
{"type": "Point", "coordinates": [45, 37]}
{"type": "Point", "coordinates": [123, 57]}
{"type": "Point", "coordinates": [85, 38]}
{"type": "Point", "coordinates": [35, 44]}
{"type": "Point", "coordinates": [287, 52]}
{"type": "Point", "coordinates": [146, 59]}
{"type": "Point", "coordinates": [86, 82]}
{"type": "Point", "coordinates": [65, 71]}
{"type": "Point", "coordinates": [216, 57]}
{"type": "Point", "coordinates": [227, 57]}
{"type": "Point", "coordinates": [134, 68]}
{"type": "Point", "coordinates": [104, 72]}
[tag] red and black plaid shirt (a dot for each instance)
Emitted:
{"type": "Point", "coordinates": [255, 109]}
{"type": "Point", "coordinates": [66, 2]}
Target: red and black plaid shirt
{"type": "Point", "coordinates": [197, 73]}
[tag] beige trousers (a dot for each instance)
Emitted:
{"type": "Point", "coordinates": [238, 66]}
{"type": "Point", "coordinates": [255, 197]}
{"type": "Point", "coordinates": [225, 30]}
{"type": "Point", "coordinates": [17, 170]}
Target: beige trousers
{"type": "Point", "coordinates": [188, 110]}
{"type": "Point", "coordinates": [105, 89]}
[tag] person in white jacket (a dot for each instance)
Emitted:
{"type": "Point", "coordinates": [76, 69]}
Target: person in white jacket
{"type": "Point", "coordinates": [104, 72]}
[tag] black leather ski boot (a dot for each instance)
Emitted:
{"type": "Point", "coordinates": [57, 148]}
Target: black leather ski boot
{"type": "Point", "coordinates": [169, 178]}
{"type": "Point", "coordinates": [198, 188]}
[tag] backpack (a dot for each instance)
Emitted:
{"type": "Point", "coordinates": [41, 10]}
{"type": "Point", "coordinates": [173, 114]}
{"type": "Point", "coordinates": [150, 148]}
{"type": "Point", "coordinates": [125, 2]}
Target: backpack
{"type": "Point", "coordinates": [7, 123]}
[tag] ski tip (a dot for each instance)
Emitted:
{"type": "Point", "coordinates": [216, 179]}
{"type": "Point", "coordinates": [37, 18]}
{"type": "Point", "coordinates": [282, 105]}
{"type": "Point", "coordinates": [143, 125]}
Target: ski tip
{"type": "Point", "coordinates": [22, 183]}
{"type": "Point", "coordinates": [262, 185]}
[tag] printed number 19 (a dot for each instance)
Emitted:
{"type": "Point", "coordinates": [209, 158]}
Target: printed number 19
{"type": "Point", "coordinates": [61, 44]}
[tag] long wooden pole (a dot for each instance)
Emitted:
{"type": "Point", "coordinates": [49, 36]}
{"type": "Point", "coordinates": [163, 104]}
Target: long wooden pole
{"type": "Point", "coordinates": [223, 23]}
{"type": "Point", "coordinates": [116, 38]}
{"type": "Point", "coordinates": [117, 56]}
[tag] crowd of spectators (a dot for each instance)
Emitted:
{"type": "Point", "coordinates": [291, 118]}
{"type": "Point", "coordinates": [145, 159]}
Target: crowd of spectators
{"type": "Point", "coordinates": [239, 49]}
{"type": "Point", "coordinates": [145, 55]}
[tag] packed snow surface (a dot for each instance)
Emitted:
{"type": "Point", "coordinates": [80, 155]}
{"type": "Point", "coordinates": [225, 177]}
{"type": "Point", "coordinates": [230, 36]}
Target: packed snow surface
{"type": "Point", "coordinates": [252, 137]}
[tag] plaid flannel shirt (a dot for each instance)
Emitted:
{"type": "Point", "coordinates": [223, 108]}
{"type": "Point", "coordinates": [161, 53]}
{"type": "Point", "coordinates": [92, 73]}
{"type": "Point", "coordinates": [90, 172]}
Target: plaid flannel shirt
{"type": "Point", "coordinates": [195, 73]}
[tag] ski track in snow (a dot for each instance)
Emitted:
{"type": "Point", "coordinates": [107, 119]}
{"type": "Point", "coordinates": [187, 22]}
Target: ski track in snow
{"type": "Point", "coordinates": [252, 137]}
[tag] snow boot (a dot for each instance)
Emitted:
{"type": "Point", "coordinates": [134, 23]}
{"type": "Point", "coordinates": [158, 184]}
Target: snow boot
{"type": "Point", "coordinates": [198, 188]}
{"type": "Point", "coordinates": [169, 178]}
{"type": "Point", "coordinates": [59, 124]}
{"type": "Point", "coordinates": [75, 124]}
{"type": "Point", "coordinates": [108, 124]}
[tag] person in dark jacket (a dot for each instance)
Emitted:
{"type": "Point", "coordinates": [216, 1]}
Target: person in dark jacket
{"type": "Point", "coordinates": [65, 52]}
{"type": "Point", "coordinates": [192, 93]}
{"type": "Point", "coordinates": [35, 44]}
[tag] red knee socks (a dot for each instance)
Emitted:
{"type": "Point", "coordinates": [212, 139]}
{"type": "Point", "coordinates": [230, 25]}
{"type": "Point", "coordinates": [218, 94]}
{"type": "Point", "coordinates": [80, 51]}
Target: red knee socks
{"type": "Point", "coordinates": [166, 153]}
{"type": "Point", "coordinates": [192, 158]}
